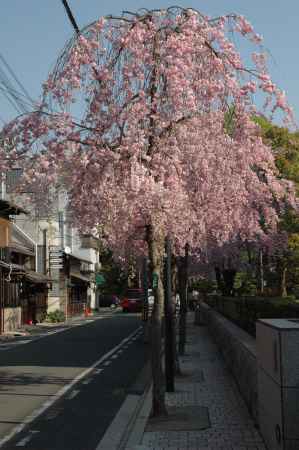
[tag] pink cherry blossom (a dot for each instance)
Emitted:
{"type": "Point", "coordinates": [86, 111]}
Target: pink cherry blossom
{"type": "Point", "coordinates": [154, 144]}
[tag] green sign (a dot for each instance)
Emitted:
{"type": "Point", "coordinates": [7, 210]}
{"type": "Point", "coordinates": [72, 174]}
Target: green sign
{"type": "Point", "coordinates": [155, 280]}
{"type": "Point", "coordinates": [100, 279]}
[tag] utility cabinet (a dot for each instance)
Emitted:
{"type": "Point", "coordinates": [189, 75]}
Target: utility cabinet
{"type": "Point", "coordinates": [277, 343]}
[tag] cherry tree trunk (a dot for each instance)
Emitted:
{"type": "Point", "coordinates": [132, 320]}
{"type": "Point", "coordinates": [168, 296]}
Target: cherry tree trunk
{"type": "Point", "coordinates": [156, 242]}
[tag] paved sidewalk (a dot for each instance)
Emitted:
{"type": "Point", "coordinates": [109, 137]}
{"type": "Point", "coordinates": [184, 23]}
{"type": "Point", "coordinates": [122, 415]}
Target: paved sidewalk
{"type": "Point", "coordinates": [205, 383]}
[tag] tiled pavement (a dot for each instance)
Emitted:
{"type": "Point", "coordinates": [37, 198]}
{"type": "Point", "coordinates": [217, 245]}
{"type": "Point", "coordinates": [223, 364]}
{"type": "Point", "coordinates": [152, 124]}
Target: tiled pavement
{"type": "Point", "coordinates": [231, 425]}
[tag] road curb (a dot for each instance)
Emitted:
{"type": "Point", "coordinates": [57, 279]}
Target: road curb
{"type": "Point", "coordinates": [126, 425]}
{"type": "Point", "coordinates": [135, 432]}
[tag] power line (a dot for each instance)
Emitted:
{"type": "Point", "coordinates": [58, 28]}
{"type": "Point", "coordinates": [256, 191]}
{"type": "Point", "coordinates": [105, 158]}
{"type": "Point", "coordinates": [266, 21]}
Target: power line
{"type": "Point", "coordinates": [12, 102]}
{"type": "Point", "coordinates": [20, 101]}
{"type": "Point", "coordinates": [70, 16]}
{"type": "Point", "coordinates": [16, 78]}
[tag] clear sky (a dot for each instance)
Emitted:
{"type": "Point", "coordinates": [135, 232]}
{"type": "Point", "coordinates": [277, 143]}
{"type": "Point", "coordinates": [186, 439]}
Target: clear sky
{"type": "Point", "coordinates": [32, 33]}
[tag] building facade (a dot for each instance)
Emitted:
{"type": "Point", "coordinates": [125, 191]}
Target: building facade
{"type": "Point", "coordinates": [56, 256]}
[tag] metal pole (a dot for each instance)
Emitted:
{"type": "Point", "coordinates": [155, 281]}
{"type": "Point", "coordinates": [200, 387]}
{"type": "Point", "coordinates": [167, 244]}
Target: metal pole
{"type": "Point", "coordinates": [44, 251]}
{"type": "Point", "coordinates": [169, 325]}
{"type": "Point", "coordinates": [261, 271]}
{"type": "Point", "coordinates": [184, 299]}
{"type": "Point", "coordinates": [145, 309]}
{"type": "Point", "coordinates": [70, 16]}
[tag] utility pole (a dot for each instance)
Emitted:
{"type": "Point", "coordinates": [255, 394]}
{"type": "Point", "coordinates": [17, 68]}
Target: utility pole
{"type": "Point", "coordinates": [70, 16]}
{"type": "Point", "coordinates": [169, 323]}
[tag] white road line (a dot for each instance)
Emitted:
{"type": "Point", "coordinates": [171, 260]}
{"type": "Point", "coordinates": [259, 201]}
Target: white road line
{"type": "Point", "coordinates": [48, 333]}
{"type": "Point", "coordinates": [36, 413]}
{"type": "Point", "coordinates": [107, 363]}
{"type": "Point", "coordinates": [26, 439]}
{"type": "Point", "coordinates": [114, 356]}
{"type": "Point", "coordinates": [73, 394]}
{"type": "Point", "coordinates": [53, 415]}
{"type": "Point", "coordinates": [98, 371]}
{"type": "Point", "coordinates": [21, 342]}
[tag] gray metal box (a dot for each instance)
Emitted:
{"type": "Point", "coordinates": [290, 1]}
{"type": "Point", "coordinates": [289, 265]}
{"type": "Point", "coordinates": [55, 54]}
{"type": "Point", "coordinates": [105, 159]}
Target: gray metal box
{"type": "Point", "coordinates": [278, 382]}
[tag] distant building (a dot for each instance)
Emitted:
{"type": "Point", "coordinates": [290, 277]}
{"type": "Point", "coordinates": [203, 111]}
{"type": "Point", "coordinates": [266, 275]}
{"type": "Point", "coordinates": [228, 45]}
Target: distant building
{"type": "Point", "coordinates": [59, 254]}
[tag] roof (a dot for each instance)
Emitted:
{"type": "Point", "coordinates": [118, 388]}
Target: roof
{"type": "Point", "coordinates": [9, 208]}
{"type": "Point", "coordinates": [36, 277]}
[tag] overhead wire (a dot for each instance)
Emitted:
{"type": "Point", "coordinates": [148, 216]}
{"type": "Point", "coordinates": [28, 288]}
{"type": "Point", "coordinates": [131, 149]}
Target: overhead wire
{"type": "Point", "coordinates": [12, 73]}
{"type": "Point", "coordinates": [21, 102]}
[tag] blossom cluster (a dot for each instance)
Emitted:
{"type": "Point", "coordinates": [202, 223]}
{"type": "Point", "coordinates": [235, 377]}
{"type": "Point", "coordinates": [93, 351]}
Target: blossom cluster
{"type": "Point", "coordinates": [167, 138]}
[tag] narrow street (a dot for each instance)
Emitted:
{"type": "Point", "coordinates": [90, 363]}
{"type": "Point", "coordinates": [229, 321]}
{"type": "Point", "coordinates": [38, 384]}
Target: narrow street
{"type": "Point", "coordinates": [67, 387]}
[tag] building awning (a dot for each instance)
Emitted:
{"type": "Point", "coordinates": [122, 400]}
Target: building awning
{"type": "Point", "coordinates": [36, 277]}
{"type": "Point", "coordinates": [30, 275]}
{"type": "Point", "coordinates": [78, 258]}
{"type": "Point", "coordinates": [8, 209]}
{"type": "Point", "coordinates": [13, 267]}
{"type": "Point", "coordinates": [17, 248]}
{"type": "Point", "coordinates": [80, 277]}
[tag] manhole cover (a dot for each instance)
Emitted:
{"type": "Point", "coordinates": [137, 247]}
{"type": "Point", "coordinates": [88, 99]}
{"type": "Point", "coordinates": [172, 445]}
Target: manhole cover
{"type": "Point", "coordinates": [181, 418]}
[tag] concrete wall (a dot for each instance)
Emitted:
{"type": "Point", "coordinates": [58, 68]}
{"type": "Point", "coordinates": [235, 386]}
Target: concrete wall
{"type": "Point", "coordinates": [239, 352]}
{"type": "Point", "coordinates": [12, 318]}
{"type": "Point", "coordinates": [53, 304]}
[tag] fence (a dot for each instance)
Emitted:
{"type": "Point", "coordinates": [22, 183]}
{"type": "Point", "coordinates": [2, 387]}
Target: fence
{"type": "Point", "coordinates": [244, 311]}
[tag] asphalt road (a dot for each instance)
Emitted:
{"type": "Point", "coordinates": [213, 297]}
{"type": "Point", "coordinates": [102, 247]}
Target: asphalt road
{"type": "Point", "coordinates": [74, 363]}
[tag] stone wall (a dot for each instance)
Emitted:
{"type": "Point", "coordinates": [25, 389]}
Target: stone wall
{"type": "Point", "coordinates": [239, 352]}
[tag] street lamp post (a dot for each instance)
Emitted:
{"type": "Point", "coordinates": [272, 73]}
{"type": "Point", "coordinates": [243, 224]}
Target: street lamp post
{"type": "Point", "coordinates": [169, 323]}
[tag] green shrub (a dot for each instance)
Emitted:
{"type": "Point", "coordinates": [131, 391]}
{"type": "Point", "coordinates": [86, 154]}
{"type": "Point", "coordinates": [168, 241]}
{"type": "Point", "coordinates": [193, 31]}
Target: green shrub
{"type": "Point", "coordinates": [55, 316]}
{"type": "Point", "coordinates": [244, 284]}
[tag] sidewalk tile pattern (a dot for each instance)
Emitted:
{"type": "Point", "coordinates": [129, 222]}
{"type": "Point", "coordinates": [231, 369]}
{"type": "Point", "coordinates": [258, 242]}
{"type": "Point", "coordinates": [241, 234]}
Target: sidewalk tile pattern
{"type": "Point", "coordinates": [231, 425]}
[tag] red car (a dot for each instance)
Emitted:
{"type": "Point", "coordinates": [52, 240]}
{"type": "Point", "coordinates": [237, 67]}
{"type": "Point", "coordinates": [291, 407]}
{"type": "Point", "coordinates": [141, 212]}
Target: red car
{"type": "Point", "coordinates": [132, 300]}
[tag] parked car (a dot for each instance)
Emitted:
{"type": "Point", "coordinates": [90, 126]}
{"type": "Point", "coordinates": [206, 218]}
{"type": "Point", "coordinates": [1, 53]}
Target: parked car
{"type": "Point", "coordinates": [108, 300]}
{"type": "Point", "coordinates": [132, 300]}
